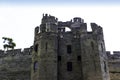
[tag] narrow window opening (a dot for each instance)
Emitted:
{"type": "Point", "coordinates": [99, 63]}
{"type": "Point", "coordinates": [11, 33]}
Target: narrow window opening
{"type": "Point", "coordinates": [92, 45]}
{"type": "Point", "coordinates": [59, 58]}
{"type": "Point", "coordinates": [47, 30]}
{"type": "Point", "coordinates": [69, 51]}
{"type": "Point", "coordinates": [69, 66]}
{"type": "Point", "coordinates": [36, 48]}
{"type": "Point", "coordinates": [105, 67]}
{"type": "Point", "coordinates": [101, 47]}
{"type": "Point", "coordinates": [46, 46]}
{"type": "Point", "coordinates": [79, 58]}
{"type": "Point", "coordinates": [35, 67]}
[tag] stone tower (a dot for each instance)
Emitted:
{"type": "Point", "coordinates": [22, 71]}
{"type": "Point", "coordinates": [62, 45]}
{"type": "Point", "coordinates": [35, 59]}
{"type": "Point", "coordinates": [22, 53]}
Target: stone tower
{"type": "Point", "coordinates": [68, 55]}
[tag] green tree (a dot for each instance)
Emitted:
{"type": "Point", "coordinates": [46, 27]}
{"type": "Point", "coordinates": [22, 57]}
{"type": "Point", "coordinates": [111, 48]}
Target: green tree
{"type": "Point", "coordinates": [10, 44]}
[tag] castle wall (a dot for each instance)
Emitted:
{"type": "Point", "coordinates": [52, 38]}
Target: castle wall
{"type": "Point", "coordinates": [61, 55]}
{"type": "Point", "coordinates": [114, 65]}
{"type": "Point", "coordinates": [69, 64]}
{"type": "Point", "coordinates": [48, 56]}
{"type": "Point", "coordinates": [18, 67]}
{"type": "Point", "coordinates": [15, 64]}
{"type": "Point", "coordinates": [94, 61]}
{"type": "Point", "coordinates": [44, 60]}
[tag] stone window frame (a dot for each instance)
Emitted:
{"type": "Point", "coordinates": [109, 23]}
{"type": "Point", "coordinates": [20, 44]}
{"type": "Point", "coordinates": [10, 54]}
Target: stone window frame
{"type": "Point", "coordinates": [35, 66]}
{"type": "Point", "coordinates": [36, 47]}
{"type": "Point", "coordinates": [105, 66]}
{"type": "Point", "coordinates": [69, 66]}
{"type": "Point", "coordinates": [69, 48]}
{"type": "Point", "coordinates": [46, 46]}
{"type": "Point", "coordinates": [59, 58]}
{"type": "Point", "coordinates": [79, 58]}
{"type": "Point", "coordinates": [92, 45]}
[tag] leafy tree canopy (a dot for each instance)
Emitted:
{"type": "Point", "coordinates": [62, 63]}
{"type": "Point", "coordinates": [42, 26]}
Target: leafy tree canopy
{"type": "Point", "coordinates": [10, 44]}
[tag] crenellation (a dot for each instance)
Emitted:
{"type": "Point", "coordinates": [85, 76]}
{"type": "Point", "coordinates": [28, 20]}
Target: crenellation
{"type": "Point", "coordinates": [15, 52]}
{"type": "Point", "coordinates": [94, 26]}
{"type": "Point", "coordinates": [96, 29]}
{"type": "Point", "coordinates": [27, 51]}
{"type": "Point", "coordinates": [116, 53]}
{"type": "Point", "coordinates": [36, 30]}
{"type": "Point", "coordinates": [79, 25]}
{"type": "Point", "coordinates": [113, 56]}
{"type": "Point", "coordinates": [83, 28]}
{"type": "Point", "coordinates": [64, 24]}
{"type": "Point", "coordinates": [77, 19]}
{"type": "Point", "coordinates": [114, 64]}
{"type": "Point", "coordinates": [108, 53]}
{"type": "Point", "coordinates": [50, 19]}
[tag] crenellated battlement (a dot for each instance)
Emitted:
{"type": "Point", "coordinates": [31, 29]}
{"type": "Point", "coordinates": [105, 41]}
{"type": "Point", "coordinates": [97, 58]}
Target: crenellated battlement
{"type": "Point", "coordinates": [113, 55]}
{"type": "Point", "coordinates": [51, 24]}
{"type": "Point", "coordinates": [48, 19]}
{"type": "Point", "coordinates": [15, 52]}
{"type": "Point", "coordinates": [96, 29]}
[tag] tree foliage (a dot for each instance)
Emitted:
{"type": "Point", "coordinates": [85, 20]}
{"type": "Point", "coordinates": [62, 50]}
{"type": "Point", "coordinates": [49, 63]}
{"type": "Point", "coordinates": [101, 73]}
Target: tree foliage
{"type": "Point", "coordinates": [10, 44]}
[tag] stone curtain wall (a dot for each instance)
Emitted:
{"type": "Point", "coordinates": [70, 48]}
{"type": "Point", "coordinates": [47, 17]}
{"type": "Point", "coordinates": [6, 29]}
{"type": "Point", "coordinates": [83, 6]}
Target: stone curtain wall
{"type": "Point", "coordinates": [114, 64]}
{"type": "Point", "coordinates": [15, 64]}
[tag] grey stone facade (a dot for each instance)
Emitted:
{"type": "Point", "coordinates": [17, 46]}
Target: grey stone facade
{"type": "Point", "coordinates": [15, 64]}
{"type": "Point", "coordinates": [59, 54]}
{"type": "Point", "coordinates": [114, 64]}
{"type": "Point", "coordinates": [68, 55]}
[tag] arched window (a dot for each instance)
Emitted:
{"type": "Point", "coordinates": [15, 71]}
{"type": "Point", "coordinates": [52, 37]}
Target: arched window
{"type": "Point", "coordinates": [35, 66]}
{"type": "Point", "coordinates": [67, 29]}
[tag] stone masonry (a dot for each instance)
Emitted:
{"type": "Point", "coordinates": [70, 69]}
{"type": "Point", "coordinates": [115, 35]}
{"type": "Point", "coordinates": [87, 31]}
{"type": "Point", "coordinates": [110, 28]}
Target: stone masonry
{"type": "Point", "coordinates": [114, 64]}
{"type": "Point", "coordinates": [68, 55]}
{"type": "Point", "coordinates": [77, 54]}
{"type": "Point", "coordinates": [15, 64]}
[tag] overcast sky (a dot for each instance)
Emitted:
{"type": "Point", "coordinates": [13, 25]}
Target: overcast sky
{"type": "Point", "coordinates": [18, 18]}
